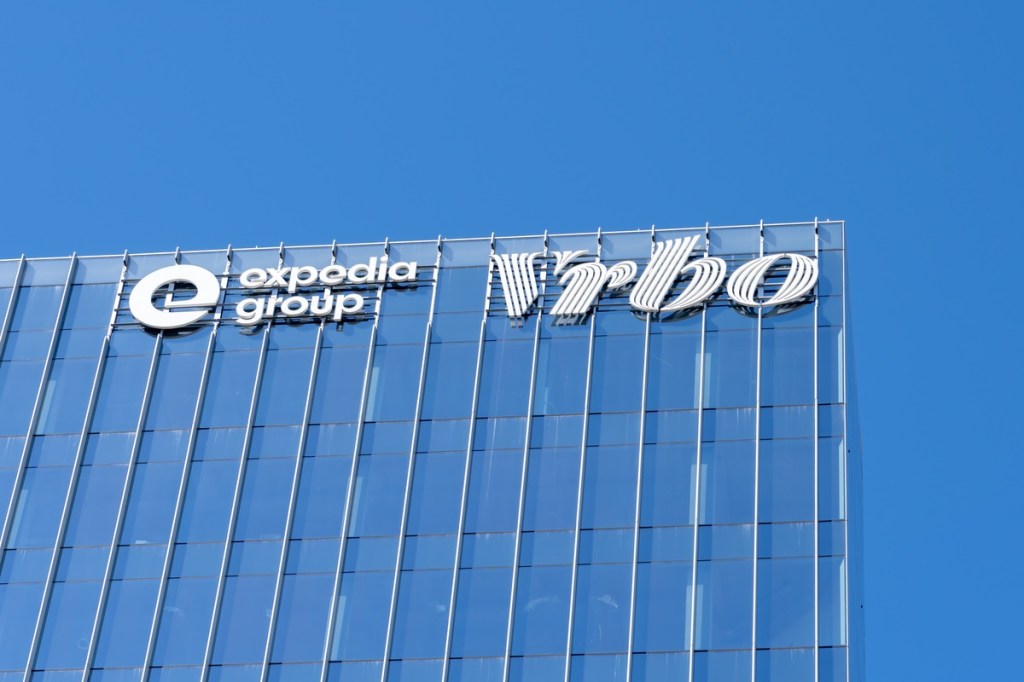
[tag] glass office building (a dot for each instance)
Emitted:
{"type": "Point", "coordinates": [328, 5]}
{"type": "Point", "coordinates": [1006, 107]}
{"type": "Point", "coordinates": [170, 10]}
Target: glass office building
{"type": "Point", "coordinates": [489, 460]}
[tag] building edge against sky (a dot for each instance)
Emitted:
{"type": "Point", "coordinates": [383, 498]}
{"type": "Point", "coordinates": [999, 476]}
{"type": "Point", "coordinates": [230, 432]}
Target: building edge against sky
{"type": "Point", "coordinates": [366, 445]}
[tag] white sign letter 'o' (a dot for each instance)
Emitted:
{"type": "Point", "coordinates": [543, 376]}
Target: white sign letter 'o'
{"type": "Point", "coordinates": [206, 296]}
{"type": "Point", "coordinates": [803, 273]}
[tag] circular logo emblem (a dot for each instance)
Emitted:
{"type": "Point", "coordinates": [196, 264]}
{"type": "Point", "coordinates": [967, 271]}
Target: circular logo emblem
{"type": "Point", "coordinates": [165, 314]}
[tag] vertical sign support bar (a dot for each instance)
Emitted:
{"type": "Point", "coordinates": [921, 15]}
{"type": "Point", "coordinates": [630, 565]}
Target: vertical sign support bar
{"type": "Point", "coordinates": [19, 477]}
{"type": "Point", "coordinates": [757, 475]}
{"type": "Point", "coordinates": [183, 481]}
{"type": "Point", "coordinates": [580, 486]}
{"type": "Point", "coordinates": [69, 498]}
{"type": "Point", "coordinates": [639, 488]}
{"type": "Point", "coordinates": [817, 549]}
{"type": "Point", "coordinates": [410, 472]}
{"type": "Point", "coordinates": [525, 469]}
{"type": "Point", "coordinates": [122, 508]}
{"type": "Point", "coordinates": [466, 472]}
{"type": "Point", "coordinates": [696, 483]}
{"type": "Point", "coordinates": [346, 521]}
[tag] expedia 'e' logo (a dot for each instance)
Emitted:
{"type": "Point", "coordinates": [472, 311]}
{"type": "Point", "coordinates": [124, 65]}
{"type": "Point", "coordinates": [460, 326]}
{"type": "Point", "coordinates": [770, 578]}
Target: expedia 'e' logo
{"type": "Point", "coordinates": [167, 316]}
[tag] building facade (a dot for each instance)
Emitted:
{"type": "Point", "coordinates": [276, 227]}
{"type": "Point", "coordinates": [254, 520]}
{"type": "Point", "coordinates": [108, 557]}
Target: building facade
{"type": "Point", "coordinates": [584, 457]}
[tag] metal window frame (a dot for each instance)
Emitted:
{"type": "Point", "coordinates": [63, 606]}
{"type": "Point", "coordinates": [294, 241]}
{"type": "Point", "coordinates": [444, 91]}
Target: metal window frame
{"type": "Point", "coordinates": [411, 468]}
{"type": "Point", "coordinates": [757, 474]}
{"type": "Point", "coordinates": [817, 418]}
{"type": "Point", "coordinates": [122, 509]}
{"type": "Point", "coordinates": [514, 587]}
{"type": "Point", "coordinates": [698, 464]}
{"type": "Point", "coordinates": [350, 488]}
{"type": "Point", "coordinates": [76, 470]}
{"type": "Point", "coordinates": [580, 486]}
{"type": "Point", "coordinates": [179, 504]}
{"type": "Point", "coordinates": [44, 378]}
{"type": "Point", "coordinates": [463, 504]}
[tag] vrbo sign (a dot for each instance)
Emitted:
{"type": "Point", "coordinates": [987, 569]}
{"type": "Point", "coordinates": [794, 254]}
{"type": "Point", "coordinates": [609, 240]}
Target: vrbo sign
{"type": "Point", "coordinates": [670, 264]}
{"type": "Point", "coordinates": [285, 291]}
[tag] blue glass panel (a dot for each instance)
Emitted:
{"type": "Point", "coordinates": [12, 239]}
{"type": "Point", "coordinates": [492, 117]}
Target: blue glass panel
{"type": "Point", "coordinates": [725, 542]}
{"type": "Point", "coordinates": [244, 618]}
{"type": "Point", "coordinates": [614, 428]}
{"type": "Point", "coordinates": [312, 556]}
{"type": "Point", "coordinates": [493, 500]}
{"type": "Point", "coordinates": [37, 307]}
{"type": "Point", "coordinates": [670, 543]}
{"type": "Point", "coordinates": [25, 565]}
{"type": "Point", "coordinates": [229, 388]}
{"type": "Point", "coordinates": [451, 372]}
{"type": "Point", "coordinates": [274, 441]}
{"type": "Point", "coordinates": [151, 504]}
{"type": "Point", "coordinates": [204, 516]}
{"type": "Point", "coordinates": [831, 479]}
{"type": "Point", "coordinates": [283, 389]}
{"type": "Point", "coordinates": [606, 546]}
{"type": "Point", "coordinates": [537, 669]}
{"type": "Point", "coordinates": [546, 548]}
{"type": "Point", "coordinates": [380, 491]}
{"type": "Point", "coordinates": [124, 632]}
{"type": "Point", "coordinates": [89, 305]}
{"type": "Point", "coordinates": [84, 563]}
{"type": "Point", "coordinates": [776, 540]}
{"type": "Point", "coordinates": [121, 390]}
{"type": "Point", "coordinates": [786, 481]}
{"type": "Point", "coordinates": [219, 443]}
{"type": "Point", "coordinates": [184, 622]}
{"type": "Point", "coordinates": [436, 493]}
{"type": "Point", "coordinates": [724, 610]}
{"type": "Point", "coordinates": [19, 605]}
{"type": "Point", "coordinates": [661, 667]}
{"type": "Point", "coordinates": [94, 511]}
{"type": "Point", "coordinates": [609, 487]}
{"type": "Point", "coordinates": [557, 431]}
{"type": "Point", "coordinates": [330, 439]}
{"type": "Point", "coordinates": [787, 366]}
{"type": "Point", "coordinates": [18, 384]}
{"type": "Point", "coordinates": [355, 671]}
{"type": "Point", "coordinates": [163, 446]}
{"type": "Point", "coordinates": [561, 376]}
{"type": "Point", "coordinates": [192, 560]}
{"type": "Point", "coordinates": [265, 496]}
{"type": "Point", "coordinates": [68, 625]}
{"type": "Point", "coordinates": [673, 366]}
{"type": "Point", "coordinates": [371, 554]}
{"type": "Point", "coordinates": [421, 617]}
{"type": "Point", "coordinates": [456, 327]}
{"type": "Point", "coordinates": [601, 623]}
{"type": "Point", "coordinates": [598, 669]}
{"type": "Point", "coordinates": [414, 671]}
{"type": "Point", "coordinates": [662, 607]}
{"type": "Point", "coordinates": [401, 329]}
{"type": "Point", "coordinates": [505, 378]}
{"type": "Point", "coordinates": [509, 432]}
{"type": "Point", "coordinates": [542, 610]}
{"type": "Point", "coordinates": [386, 437]}
{"type": "Point", "coordinates": [362, 622]}
{"type": "Point", "coordinates": [785, 603]}
{"type": "Point", "coordinates": [785, 665]}
{"type": "Point", "coordinates": [39, 507]}
{"type": "Point", "coordinates": [319, 506]}
{"type": "Point", "coordinates": [730, 361]}
{"type": "Point", "coordinates": [294, 673]}
{"type": "Point", "coordinates": [832, 616]}
{"type": "Point", "coordinates": [53, 451]}
{"type": "Point", "coordinates": [728, 495]}
{"type": "Point", "coordinates": [28, 345]}
{"type": "Point", "coordinates": [553, 478]}
{"type": "Point", "coordinates": [394, 382]}
{"type": "Point", "coordinates": [617, 374]}
{"type": "Point", "coordinates": [729, 424]}
{"type": "Point", "coordinates": [175, 388]}
{"type": "Point", "coordinates": [488, 549]}
{"type": "Point", "coordinates": [66, 396]}
{"type": "Point", "coordinates": [428, 551]}
{"type": "Point", "coordinates": [302, 624]}
{"type": "Point", "coordinates": [443, 435]}
{"type": "Point", "coordinates": [832, 665]}
{"type": "Point", "coordinates": [78, 343]}
{"type": "Point", "coordinates": [476, 670]}
{"type": "Point", "coordinates": [108, 448]}
{"type": "Point", "coordinates": [190, 674]}
{"type": "Point", "coordinates": [666, 498]}
{"type": "Point", "coordinates": [139, 561]}
{"type": "Point", "coordinates": [461, 289]}
{"type": "Point", "coordinates": [339, 384]}
{"type": "Point", "coordinates": [722, 666]}
{"type": "Point", "coordinates": [254, 557]}
{"type": "Point", "coordinates": [481, 612]}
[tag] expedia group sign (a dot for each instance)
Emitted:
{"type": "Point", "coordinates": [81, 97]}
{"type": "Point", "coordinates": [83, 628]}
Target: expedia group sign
{"type": "Point", "coordinates": [333, 291]}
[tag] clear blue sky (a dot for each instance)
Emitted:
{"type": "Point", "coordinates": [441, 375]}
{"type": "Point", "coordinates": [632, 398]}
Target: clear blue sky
{"type": "Point", "coordinates": [151, 125]}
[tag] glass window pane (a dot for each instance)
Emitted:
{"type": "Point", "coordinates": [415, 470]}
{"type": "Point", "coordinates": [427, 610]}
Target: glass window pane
{"type": "Point", "coordinates": [786, 480]}
{"type": "Point", "coordinates": [451, 372]}
{"type": "Point", "coordinates": [94, 511]}
{"type": "Point", "coordinates": [672, 371]}
{"type": "Point", "coordinates": [601, 623]}
{"type": "Point", "coordinates": [379, 494]}
{"type": "Point", "coordinates": [787, 366]}
{"type": "Point", "coordinates": [265, 496]}
{"type": "Point", "coordinates": [436, 493]}
{"type": "Point", "coordinates": [244, 619]}
{"type": "Point", "coordinates": [19, 604]}
{"type": "Point", "coordinates": [668, 485]}
{"type": "Point", "coordinates": [724, 604]}
{"type": "Point", "coordinates": [204, 517]}
{"type": "Point", "coordinates": [785, 603]}
{"type": "Point", "coordinates": [305, 600]}
{"type": "Point", "coordinates": [37, 307]}
{"type": "Point", "coordinates": [339, 384]}
{"type": "Point", "coordinates": [561, 372]}
{"type": "Point", "coordinates": [185, 621]}
{"type": "Point", "coordinates": [421, 616]}
{"type": "Point", "coordinates": [617, 374]}
{"type": "Point", "coordinates": [553, 478]}
{"type": "Point", "coordinates": [542, 610]}
{"type": "Point", "coordinates": [609, 487]}
{"type": "Point", "coordinates": [481, 612]}
{"type": "Point", "coordinates": [19, 382]}
{"type": "Point", "coordinates": [663, 607]}
{"type": "Point", "coordinates": [322, 489]}
{"type": "Point", "coordinates": [66, 396]}
{"type": "Point", "coordinates": [362, 623]}
{"type": "Point", "coordinates": [175, 391]}
{"type": "Point", "coordinates": [121, 390]}
{"type": "Point", "coordinates": [728, 480]}
{"type": "Point", "coordinates": [124, 632]}
{"type": "Point", "coordinates": [229, 388]}
{"type": "Point", "coordinates": [284, 386]}
{"type": "Point", "coordinates": [505, 378]}
{"type": "Point", "coordinates": [69, 620]}
{"type": "Point", "coordinates": [493, 499]}
{"type": "Point", "coordinates": [730, 359]}
{"type": "Point", "coordinates": [151, 504]}
{"type": "Point", "coordinates": [39, 505]}
{"type": "Point", "coordinates": [394, 382]}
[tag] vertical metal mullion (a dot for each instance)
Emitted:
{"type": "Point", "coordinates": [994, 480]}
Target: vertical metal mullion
{"type": "Point", "coordinates": [846, 472]}
{"type": "Point", "coordinates": [235, 503]}
{"type": "Point", "coordinates": [350, 488]}
{"type": "Point", "coordinates": [757, 476]}
{"type": "Point", "coordinates": [19, 476]}
{"type": "Point", "coordinates": [122, 507]}
{"type": "Point", "coordinates": [185, 473]}
{"type": "Point", "coordinates": [580, 485]}
{"type": "Point", "coordinates": [409, 473]}
{"type": "Point", "coordinates": [5, 324]}
{"type": "Point", "coordinates": [69, 498]}
{"type": "Point", "coordinates": [639, 489]}
{"type": "Point", "coordinates": [817, 549]}
{"type": "Point", "coordinates": [465, 475]}
{"type": "Point", "coordinates": [525, 468]}
{"type": "Point", "coordinates": [293, 494]}
{"type": "Point", "coordinates": [698, 464]}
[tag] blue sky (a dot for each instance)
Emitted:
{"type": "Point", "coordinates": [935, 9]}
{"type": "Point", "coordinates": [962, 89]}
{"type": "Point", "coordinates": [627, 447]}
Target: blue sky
{"type": "Point", "coordinates": [151, 125]}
